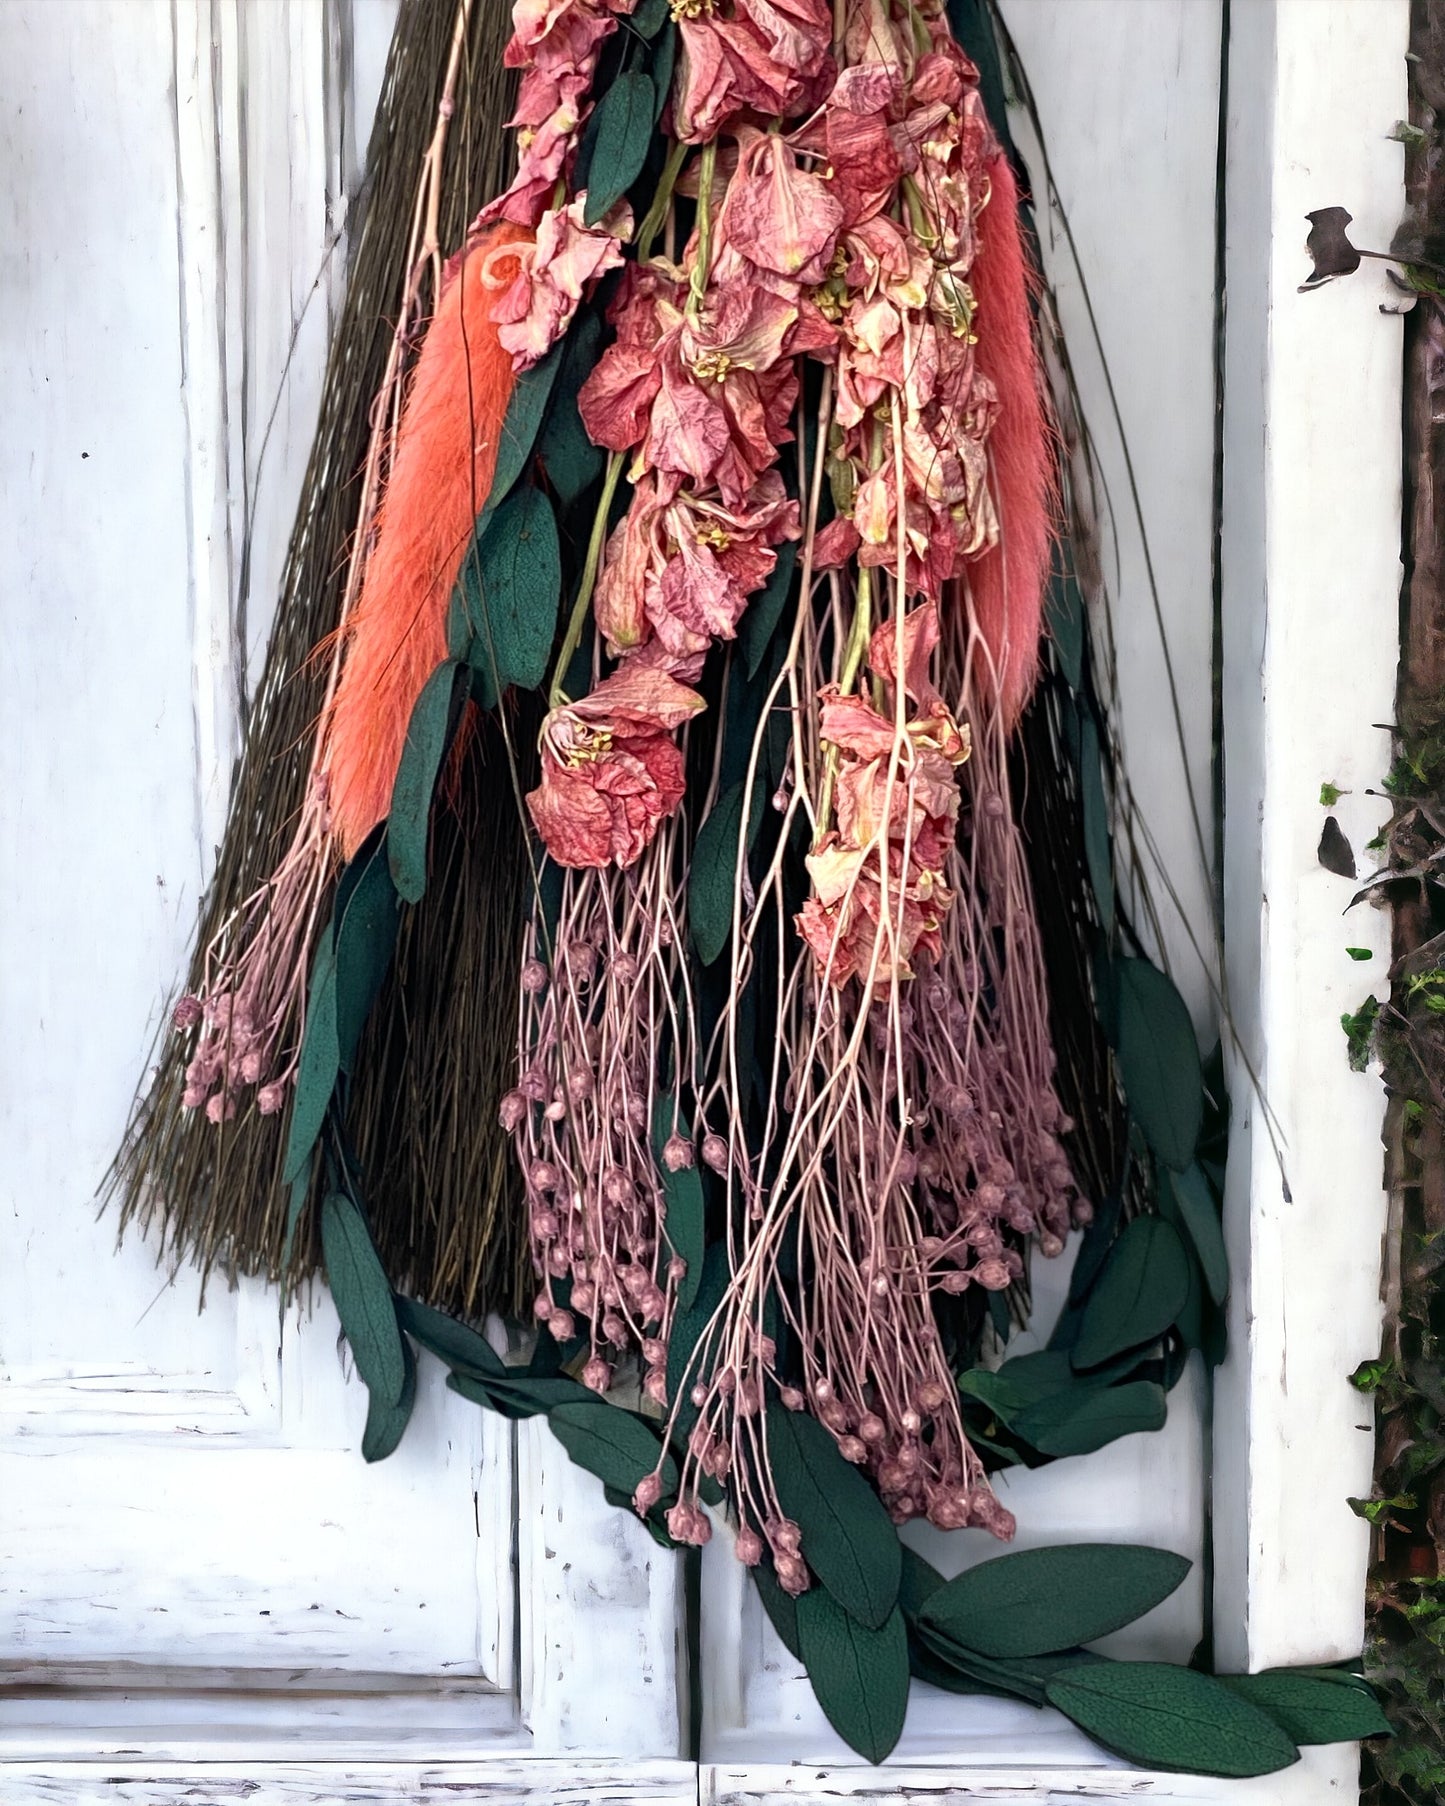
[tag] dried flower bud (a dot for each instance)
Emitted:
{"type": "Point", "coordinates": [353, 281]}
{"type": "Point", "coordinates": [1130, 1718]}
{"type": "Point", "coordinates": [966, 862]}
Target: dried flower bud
{"type": "Point", "coordinates": [655, 1386]}
{"type": "Point", "coordinates": [562, 1325]}
{"type": "Point", "coordinates": [872, 1428]}
{"type": "Point", "coordinates": [646, 1494]}
{"type": "Point", "coordinates": [556, 1111]}
{"type": "Point", "coordinates": [534, 977]}
{"type": "Point", "coordinates": [677, 1153]}
{"type": "Point", "coordinates": [715, 1153]}
{"type": "Point", "coordinates": [624, 969]}
{"type": "Point", "coordinates": [1083, 1213]}
{"type": "Point", "coordinates": [749, 1546]}
{"type": "Point", "coordinates": [637, 1113]}
{"type": "Point", "coordinates": [792, 1572]}
{"type": "Point", "coordinates": [513, 1111]}
{"type": "Point", "coordinates": [270, 1098]}
{"type": "Point", "coordinates": [614, 1329]}
{"type": "Point", "coordinates": [582, 961]}
{"type": "Point", "coordinates": [992, 1275]}
{"type": "Point", "coordinates": [930, 1395]}
{"type": "Point", "coordinates": [853, 1448]}
{"type": "Point", "coordinates": [220, 1107]}
{"type": "Point", "coordinates": [597, 1375]}
{"type": "Point", "coordinates": [545, 1224]}
{"type": "Point", "coordinates": [784, 1535]}
{"type": "Point", "coordinates": [955, 1282]}
{"type": "Point", "coordinates": [1050, 1246]}
{"type": "Point", "coordinates": [988, 1514]}
{"type": "Point", "coordinates": [544, 1176]}
{"type": "Point", "coordinates": [911, 1422]}
{"type": "Point", "coordinates": [654, 1350]}
{"type": "Point", "coordinates": [187, 1013]}
{"type": "Point", "coordinates": [676, 1270]}
{"type": "Point", "coordinates": [687, 1524]}
{"type": "Point", "coordinates": [542, 1307]}
{"type": "Point", "coordinates": [580, 1084]}
{"type": "Point", "coordinates": [698, 1395]}
{"type": "Point", "coordinates": [584, 1295]}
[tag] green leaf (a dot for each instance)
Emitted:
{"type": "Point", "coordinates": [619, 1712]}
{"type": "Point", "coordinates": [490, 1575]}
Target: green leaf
{"type": "Point", "coordinates": [318, 1065]}
{"type": "Point", "coordinates": [363, 1298]}
{"type": "Point", "coordinates": [518, 1397]}
{"type": "Point", "coordinates": [650, 17]}
{"type": "Point", "coordinates": [569, 457]}
{"type": "Point", "coordinates": [1039, 1600]}
{"type": "Point", "coordinates": [1195, 1211]}
{"type": "Point", "coordinates": [917, 1582]}
{"type": "Point", "coordinates": [1098, 852]}
{"type": "Point", "coordinates": [530, 395]}
{"type": "Point", "coordinates": [386, 1424]}
{"type": "Point", "coordinates": [451, 1341]}
{"type": "Point", "coordinates": [1158, 1061]}
{"type": "Point", "coordinates": [1310, 1709]}
{"type": "Point", "coordinates": [848, 1538]}
{"type": "Point", "coordinates": [683, 1198]}
{"type": "Point", "coordinates": [1171, 1718]}
{"type": "Point", "coordinates": [367, 918]}
{"type": "Point", "coordinates": [1070, 1424]}
{"type": "Point", "coordinates": [664, 61]}
{"type": "Point", "coordinates": [512, 586]}
{"type": "Point", "coordinates": [781, 1607]}
{"type": "Point", "coordinates": [1064, 613]}
{"type": "Point", "coordinates": [766, 608]}
{"type": "Point", "coordinates": [714, 871]}
{"type": "Point", "coordinates": [616, 1445]}
{"type": "Point", "coordinates": [925, 1665]}
{"type": "Point", "coordinates": [860, 1675]}
{"type": "Point", "coordinates": [409, 822]}
{"type": "Point", "coordinates": [683, 1372]}
{"type": "Point", "coordinates": [1021, 1677]}
{"type": "Point", "coordinates": [1141, 1291]}
{"type": "Point", "coordinates": [621, 141]}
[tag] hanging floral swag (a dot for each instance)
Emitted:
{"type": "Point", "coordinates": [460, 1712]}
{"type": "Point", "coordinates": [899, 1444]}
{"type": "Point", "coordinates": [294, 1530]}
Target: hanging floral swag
{"type": "Point", "coordinates": [711, 522]}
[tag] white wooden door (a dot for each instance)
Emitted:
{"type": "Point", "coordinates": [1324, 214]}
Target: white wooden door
{"type": "Point", "coordinates": [195, 1564]}
{"type": "Point", "coordinates": [1129, 94]}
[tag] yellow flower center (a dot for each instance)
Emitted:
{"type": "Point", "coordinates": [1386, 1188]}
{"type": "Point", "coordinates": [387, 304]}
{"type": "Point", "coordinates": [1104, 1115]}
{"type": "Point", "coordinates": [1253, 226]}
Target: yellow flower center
{"type": "Point", "coordinates": [690, 9]}
{"type": "Point", "coordinates": [712, 366]}
{"type": "Point", "coordinates": [715, 536]}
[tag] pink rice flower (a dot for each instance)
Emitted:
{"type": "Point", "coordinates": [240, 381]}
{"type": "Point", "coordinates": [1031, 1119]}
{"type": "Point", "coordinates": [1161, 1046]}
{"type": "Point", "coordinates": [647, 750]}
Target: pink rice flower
{"type": "Point", "coordinates": [611, 771]}
{"type": "Point", "coordinates": [553, 274]}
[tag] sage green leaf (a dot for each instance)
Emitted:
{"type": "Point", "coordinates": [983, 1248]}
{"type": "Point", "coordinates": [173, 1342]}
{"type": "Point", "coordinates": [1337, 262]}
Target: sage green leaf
{"type": "Point", "coordinates": [1196, 1213]}
{"type": "Point", "coordinates": [682, 1195]}
{"type": "Point", "coordinates": [924, 1665]}
{"type": "Point", "coordinates": [848, 1538]}
{"type": "Point", "coordinates": [1020, 1382]}
{"type": "Point", "coordinates": [363, 1298]}
{"type": "Point", "coordinates": [859, 1675]}
{"type": "Point", "coordinates": [1064, 613]}
{"type": "Point", "coordinates": [520, 426]}
{"type": "Point", "coordinates": [918, 1580]}
{"type": "Point", "coordinates": [1094, 807]}
{"type": "Point", "coordinates": [664, 61]}
{"type": "Point", "coordinates": [1158, 1060]}
{"type": "Point", "coordinates": [616, 1445]}
{"type": "Point", "coordinates": [1171, 1718]}
{"type": "Point", "coordinates": [318, 1065]}
{"type": "Point", "coordinates": [515, 1396]}
{"type": "Point", "coordinates": [1040, 1600]}
{"type": "Point", "coordinates": [409, 822]}
{"type": "Point", "coordinates": [569, 457]}
{"type": "Point", "coordinates": [1078, 1424]}
{"type": "Point", "coordinates": [1143, 1288]}
{"type": "Point", "coordinates": [512, 586]}
{"type": "Point", "coordinates": [686, 1363]}
{"type": "Point", "coordinates": [765, 609]}
{"type": "Point", "coordinates": [650, 17]}
{"type": "Point", "coordinates": [713, 876]}
{"type": "Point", "coordinates": [1310, 1709]}
{"type": "Point", "coordinates": [620, 143]}
{"type": "Point", "coordinates": [984, 1672]}
{"type": "Point", "coordinates": [386, 1424]}
{"type": "Point", "coordinates": [450, 1341]}
{"type": "Point", "coordinates": [367, 916]}
{"type": "Point", "coordinates": [781, 1607]}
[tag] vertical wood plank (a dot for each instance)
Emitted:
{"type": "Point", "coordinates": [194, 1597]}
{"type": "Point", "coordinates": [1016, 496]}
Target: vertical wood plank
{"type": "Point", "coordinates": [1311, 585]}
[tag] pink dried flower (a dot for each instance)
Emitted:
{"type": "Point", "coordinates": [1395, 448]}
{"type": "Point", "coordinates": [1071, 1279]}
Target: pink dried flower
{"type": "Point", "coordinates": [677, 1154]}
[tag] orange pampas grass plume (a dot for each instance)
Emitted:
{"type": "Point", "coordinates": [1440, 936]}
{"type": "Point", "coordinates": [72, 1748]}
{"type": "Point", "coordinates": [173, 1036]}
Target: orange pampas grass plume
{"type": "Point", "coordinates": [1009, 581]}
{"type": "Point", "coordinates": [441, 471]}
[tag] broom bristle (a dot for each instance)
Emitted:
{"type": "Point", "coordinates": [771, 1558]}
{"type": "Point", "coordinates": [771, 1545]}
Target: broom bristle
{"type": "Point", "coordinates": [441, 471]}
{"type": "Point", "coordinates": [1008, 582]}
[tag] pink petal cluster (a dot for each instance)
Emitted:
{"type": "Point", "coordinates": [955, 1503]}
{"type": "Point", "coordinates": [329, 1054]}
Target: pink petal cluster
{"type": "Point", "coordinates": [879, 892]}
{"type": "Point", "coordinates": [552, 275]}
{"type": "Point", "coordinates": [770, 57]}
{"type": "Point", "coordinates": [611, 770]}
{"type": "Point", "coordinates": [556, 42]}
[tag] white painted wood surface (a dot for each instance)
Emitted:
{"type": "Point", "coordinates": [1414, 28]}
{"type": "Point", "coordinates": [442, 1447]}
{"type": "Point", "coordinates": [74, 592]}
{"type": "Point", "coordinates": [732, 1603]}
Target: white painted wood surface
{"type": "Point", "coordinates": [176, 1496]}
{"type": "Point", "coordinates": [194, 1561]}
